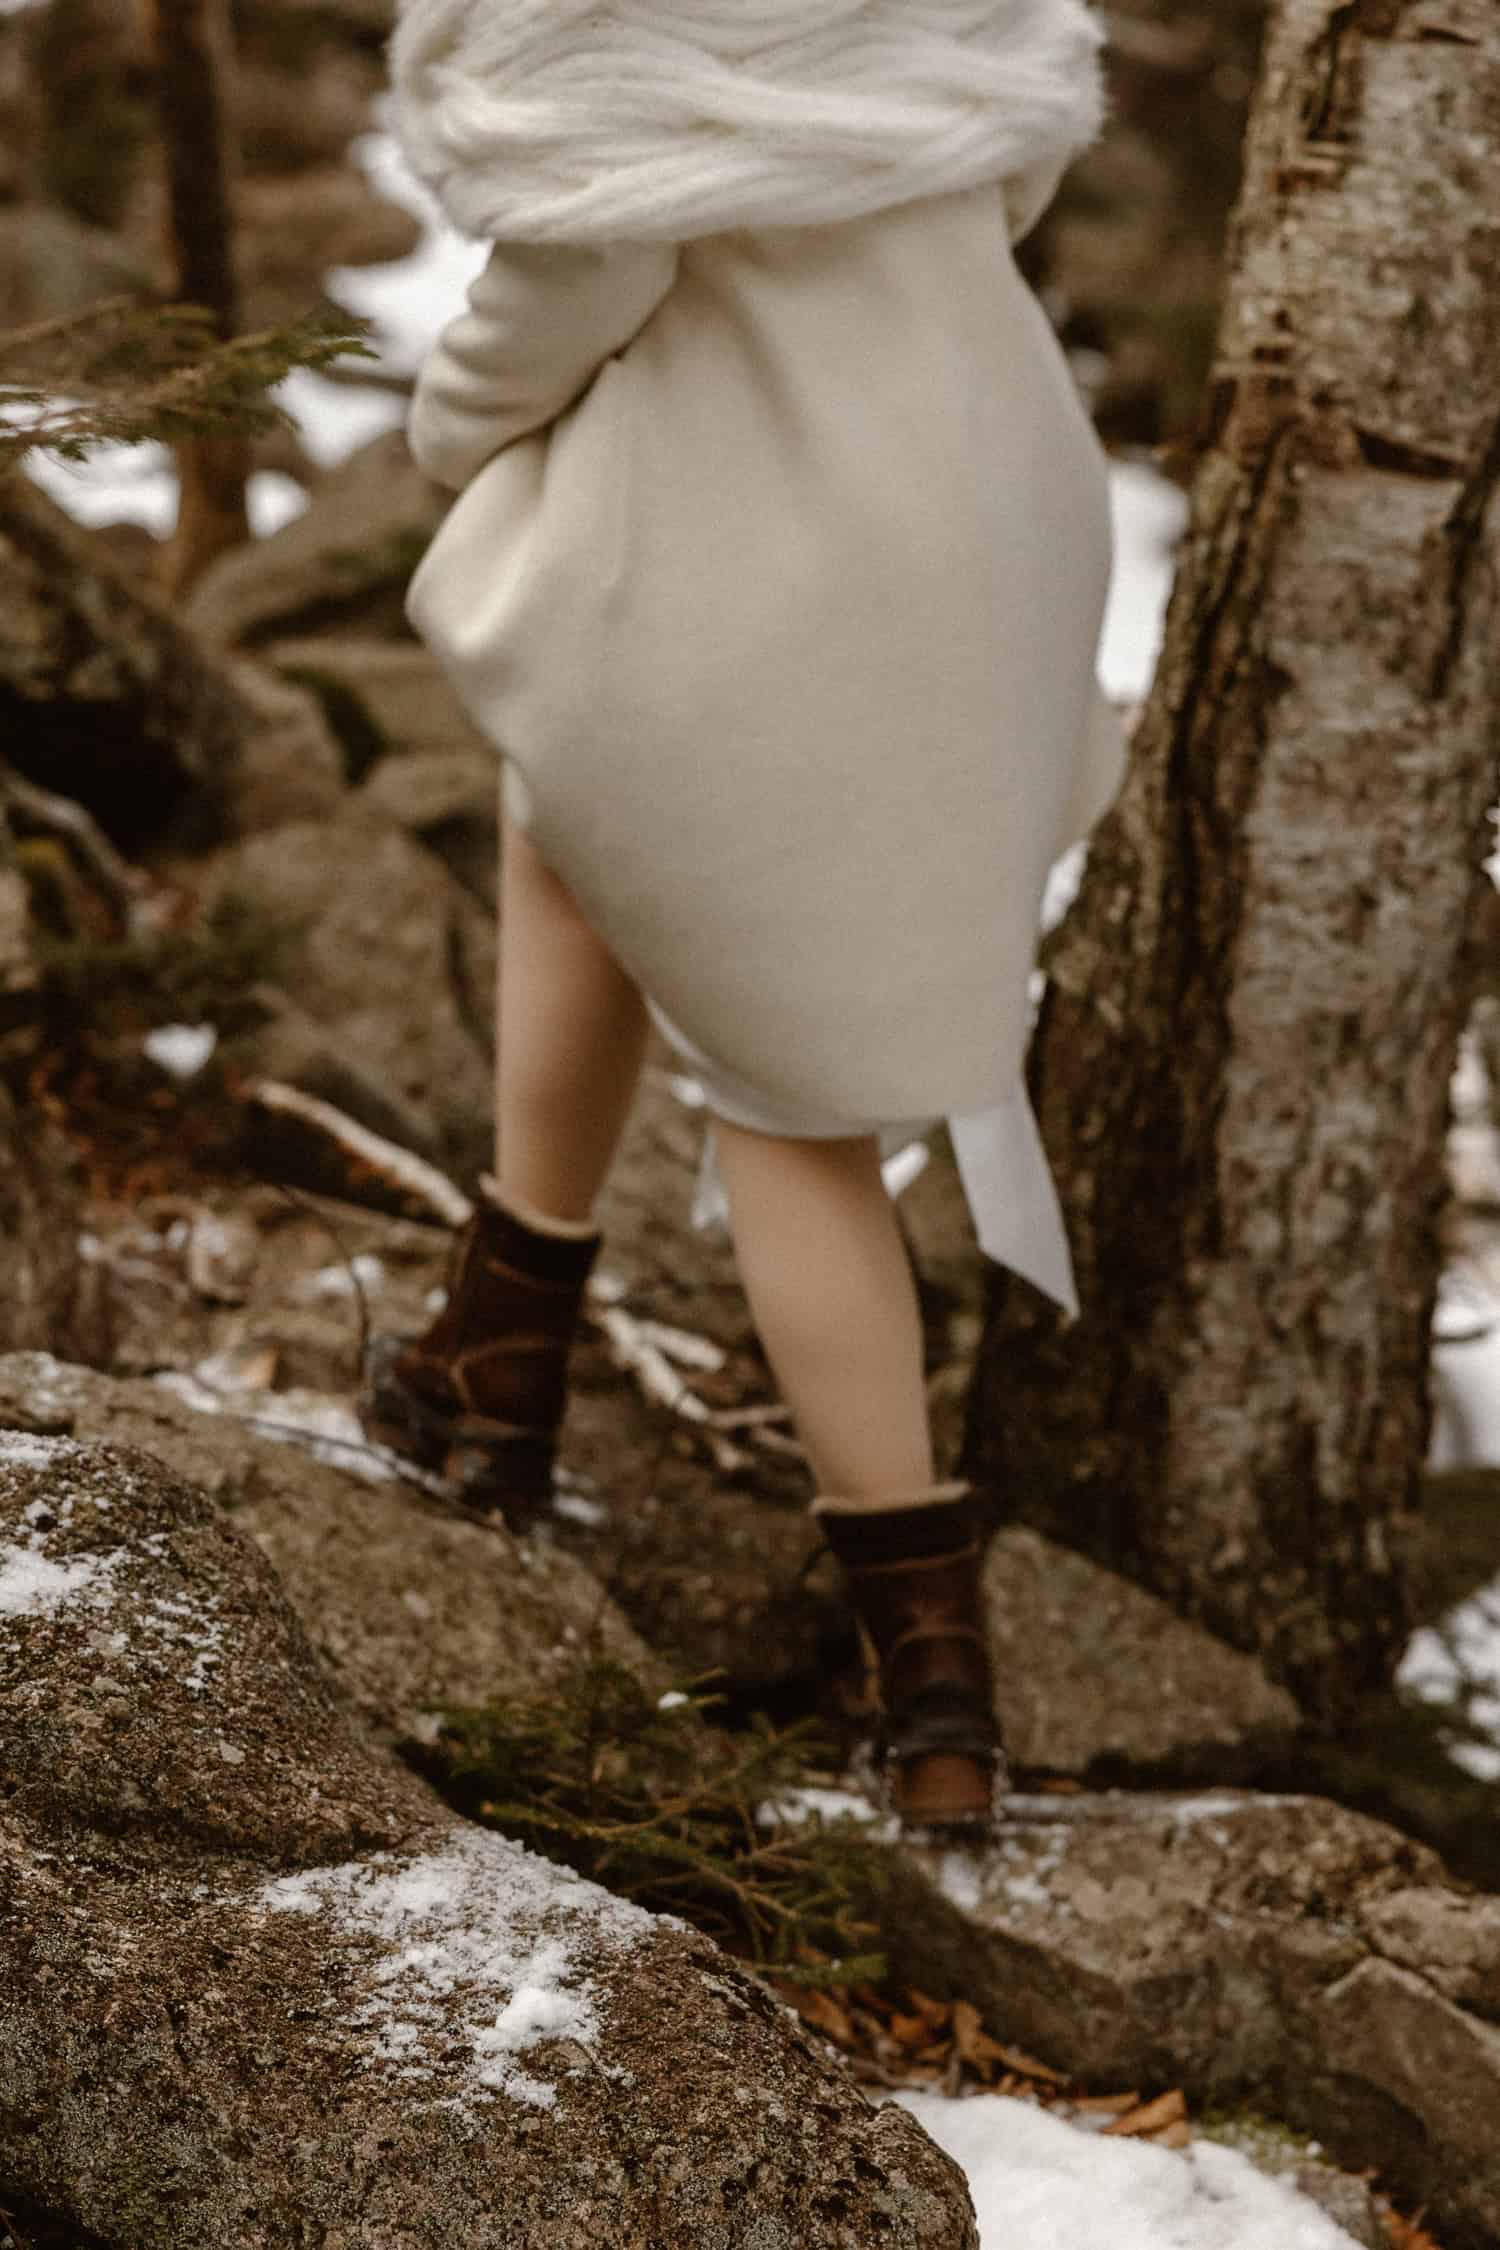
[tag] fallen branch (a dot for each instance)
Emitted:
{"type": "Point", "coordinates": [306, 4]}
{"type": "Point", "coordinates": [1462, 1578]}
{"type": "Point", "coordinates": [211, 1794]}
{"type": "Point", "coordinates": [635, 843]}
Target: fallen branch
{"type": "Point", "coordinates": [650, 1352]}
{"type": "Point", "coordinates": [369, 1168]}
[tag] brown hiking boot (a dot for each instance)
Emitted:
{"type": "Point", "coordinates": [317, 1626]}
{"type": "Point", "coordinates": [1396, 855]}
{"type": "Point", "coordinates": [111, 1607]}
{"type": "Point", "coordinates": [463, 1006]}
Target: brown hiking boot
{"type": "Point", "coordinates": [479, 1398]}
{"type": "Point", "coordinates": [913, 1573]}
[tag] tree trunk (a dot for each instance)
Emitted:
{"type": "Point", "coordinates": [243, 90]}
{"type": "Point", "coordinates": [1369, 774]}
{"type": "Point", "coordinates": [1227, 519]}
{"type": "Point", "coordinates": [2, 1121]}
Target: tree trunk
{"type": "Point", "coordinates": [40, 1215]}
{"type": "Point", "coordinates": [39, 1201]}
{"type": "Point", "coordinates": [193, 49]}
{"type": "Point", "coordinates": [1243, 1053]}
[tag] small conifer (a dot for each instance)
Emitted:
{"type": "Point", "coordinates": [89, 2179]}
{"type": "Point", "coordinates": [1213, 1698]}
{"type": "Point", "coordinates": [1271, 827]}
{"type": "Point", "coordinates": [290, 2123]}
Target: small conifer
{"type": "Point", "coordinates": [126, 373]}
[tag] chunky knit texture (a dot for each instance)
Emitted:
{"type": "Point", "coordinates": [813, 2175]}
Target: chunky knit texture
{"type": "Point", "coordinates": [564, 121]}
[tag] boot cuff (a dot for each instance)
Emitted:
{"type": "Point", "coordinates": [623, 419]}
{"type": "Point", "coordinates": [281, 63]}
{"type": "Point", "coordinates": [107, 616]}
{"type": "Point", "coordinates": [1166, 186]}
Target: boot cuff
{"type": "Point", "coordinates": [556, 1252]}
{"type": "Point", "coordinates": [932, 1496]}
{"type": "Point", "coordinates": [943, 1521]}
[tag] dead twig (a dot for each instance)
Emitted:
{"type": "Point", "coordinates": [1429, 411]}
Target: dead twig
{"type": "Point", "coordinates": [650, 1352]}
{"type": "Point", "coordinates": [370, 1165]}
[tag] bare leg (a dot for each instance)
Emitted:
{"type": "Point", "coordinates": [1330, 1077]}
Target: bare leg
{"type": "Point", "coordinates": [831, 1289]}
{"type": "Point", "coordinates": [572, 1036]}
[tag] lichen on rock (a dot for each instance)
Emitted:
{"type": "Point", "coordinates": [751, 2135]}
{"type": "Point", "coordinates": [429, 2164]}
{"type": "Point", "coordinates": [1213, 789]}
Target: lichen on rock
{"type": "Point", "coordinates": [258, 1984]}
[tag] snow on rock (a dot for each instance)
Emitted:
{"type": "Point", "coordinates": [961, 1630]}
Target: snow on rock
{"type": "Point", "coordinates": [24, 1449]}
{"type": "Point", "coordinates": [151, 1672]}
{"type": "Point", "coordinates": [44, 1396]}
{"type": "Point", "coordinates": [1039, 2183]}
{"type": "Point", "coordinates": [252, 1939]}
{"type": "Point", "coordinates": [1227, 1939]}
{"type": "Point", "coordinates": [361, 1273]}
{"type": "Point", "coordinates": [175, 1632]}
{"type": "Point", "coordinates": [325, 1427]}
{"type": "Point", "coordinates": [30, 1584]}
{"type": "Point", "coordinates": [827, 1806]}
{"type": "Point", "coordinates": [459, 1928]}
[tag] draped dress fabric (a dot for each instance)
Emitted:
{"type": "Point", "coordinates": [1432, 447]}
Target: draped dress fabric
{"type": "Point", "coordinates": [776, 578]}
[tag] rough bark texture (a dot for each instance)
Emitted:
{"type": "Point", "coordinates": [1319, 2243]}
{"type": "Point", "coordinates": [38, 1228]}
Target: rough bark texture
{"type": "Point", "coordinates": [258, 1986]}
{"type": "Point", "coordinates": [39, 1224]}
{"type": "Point", "coordinates": [191, 41]}
{"type": "Point", "coordinates": [1243, 1055]}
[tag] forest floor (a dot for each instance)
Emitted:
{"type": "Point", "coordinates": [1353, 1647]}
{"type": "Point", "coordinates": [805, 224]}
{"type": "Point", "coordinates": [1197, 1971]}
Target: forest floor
{"type": "Point", "coordinates": [249, 1295]}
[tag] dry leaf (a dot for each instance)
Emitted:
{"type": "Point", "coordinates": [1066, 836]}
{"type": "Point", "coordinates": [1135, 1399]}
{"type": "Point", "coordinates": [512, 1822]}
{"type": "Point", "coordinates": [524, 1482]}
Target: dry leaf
{"type": "Point", "coordinates": [1102, 2104]}
{"type": "Point", "coordinates": [922, 2003]}
{"type": "Point", "coordinates": [1409, 2234]}
{"type": "Point", "coordinates": [972, 2044]}
{"type": "Point", "coordinates": [977, 2047]}
{"type": "Point", "coordinates": [910, 2031]}
{"type": "Point", "coordinates": [1179, 2134]}
{"type": "Point", "coordinates": [822, 2011]}
{"type": "Point", "coordinates": [1016, 2058]}
{"type": "Point", "coordinates": [1167, 2109]}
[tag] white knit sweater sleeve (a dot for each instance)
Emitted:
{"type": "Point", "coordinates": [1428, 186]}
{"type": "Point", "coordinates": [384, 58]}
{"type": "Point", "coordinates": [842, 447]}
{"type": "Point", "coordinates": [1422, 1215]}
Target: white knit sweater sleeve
{"type": "Point", "coordinates": [540, 322]}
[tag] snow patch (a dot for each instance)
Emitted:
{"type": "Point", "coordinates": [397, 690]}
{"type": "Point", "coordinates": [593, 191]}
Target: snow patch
{"type": "Point", "coordinates": [1040, 2183]}
{"type": "Point", "coordinates": [573, 1507]}
{"type": "Point", "coordinates": [180, 1049]}
{"type": "Point", "coordinates": [27, 1449]}
{"type": "Point", "coordinates": [826, 1806]}
{"type": "Point", "coordinates": [324, 1426]}
{"type": "Point", "coordinates": [1218, 1804]}
{"type": "Point", "coordinates": [1149, 516]}
{"type": "Point", "coordinates": [32, 1585]}
{"type": "Point", "coordinates": [32, 1582]}
{"type": "Point", "coordinates": [1457, 1662]}
{"type": "Point", "coordinates": [468, 1951]}
{"type": "Point", "coordinates": [364, 1271]}
{"type": "Point", "coordinates": [958, 1880]}
{"type": "Point", "coordinates": [164, 1629]}
{"type": "Point", "coordinates": [1023, 1885]}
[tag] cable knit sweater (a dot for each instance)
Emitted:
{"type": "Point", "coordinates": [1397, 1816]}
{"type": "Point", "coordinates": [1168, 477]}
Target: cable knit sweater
{"type": "Point", "coordinates": [564, 121]}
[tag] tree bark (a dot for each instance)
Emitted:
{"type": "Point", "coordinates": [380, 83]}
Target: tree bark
{"type": "Point", "coordinates": [39, 1200]}
{"type": "Point", "coordinates": [40, 1216]}
{"type": "Point", "coordinates": [1242, 1057]}
{"type": "Point", "coordinates": [192, 44]}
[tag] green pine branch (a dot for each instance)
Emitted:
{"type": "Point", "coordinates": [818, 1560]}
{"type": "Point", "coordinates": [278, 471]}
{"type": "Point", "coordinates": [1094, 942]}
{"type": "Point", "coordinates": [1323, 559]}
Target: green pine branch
{"type": "Point", "coordinates": [593, 1772]}
{"type": "Point", "coordinates": [122, 373]}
